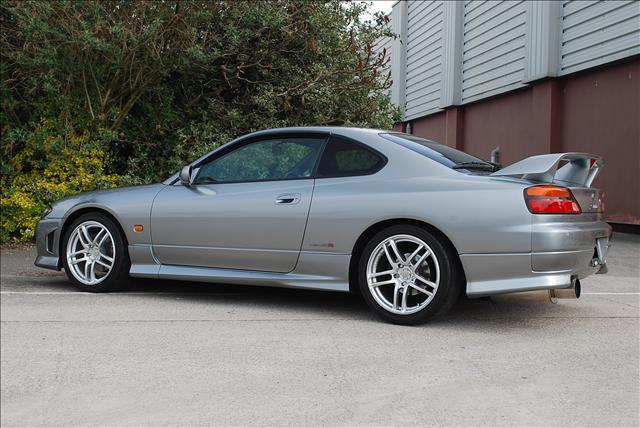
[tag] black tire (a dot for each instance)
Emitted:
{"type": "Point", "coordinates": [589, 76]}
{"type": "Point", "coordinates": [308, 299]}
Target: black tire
{"type": "Point", "coordinates": [118, 277]}
{"type": "Point", "coordinates": [451, 277]}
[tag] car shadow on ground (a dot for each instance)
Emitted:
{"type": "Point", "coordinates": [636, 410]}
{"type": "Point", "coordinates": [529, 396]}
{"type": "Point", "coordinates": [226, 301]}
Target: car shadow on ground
{"type": "Point", "coordinates": [512, 309]}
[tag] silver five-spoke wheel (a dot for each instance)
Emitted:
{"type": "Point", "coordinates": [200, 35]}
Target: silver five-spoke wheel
{"type": "Point", "coordinates": [403, 274]}
{"type": "Point", "coordinates": [90, 252]}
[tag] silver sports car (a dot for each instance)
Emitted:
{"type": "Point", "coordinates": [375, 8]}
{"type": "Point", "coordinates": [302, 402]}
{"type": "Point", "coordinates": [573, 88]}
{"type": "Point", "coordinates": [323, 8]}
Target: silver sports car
{"type": "Point", "coordinates": [408, 223]}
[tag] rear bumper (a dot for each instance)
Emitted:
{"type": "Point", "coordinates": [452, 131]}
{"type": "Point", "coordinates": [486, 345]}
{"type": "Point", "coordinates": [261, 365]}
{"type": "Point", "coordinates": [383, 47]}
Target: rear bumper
{"type": "Point", "coordinates": [562, 250]}
{"type": "Point", "coordinates": [47, 244]}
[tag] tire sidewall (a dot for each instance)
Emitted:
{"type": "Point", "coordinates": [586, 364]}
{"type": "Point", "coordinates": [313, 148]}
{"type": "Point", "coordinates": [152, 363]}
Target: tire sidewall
{"type": "Point", "coordinates": [117, 277]}
{"type": "Point", "coordinates": [448, 288]}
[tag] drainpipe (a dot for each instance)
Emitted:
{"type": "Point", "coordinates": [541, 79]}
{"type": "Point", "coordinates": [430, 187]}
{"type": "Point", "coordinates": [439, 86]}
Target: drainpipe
{"type": "Point", "coordinates": [495, 155]}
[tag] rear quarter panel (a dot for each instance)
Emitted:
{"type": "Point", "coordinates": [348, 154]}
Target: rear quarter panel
{"type": "Point", "coordinates": [478, 214]}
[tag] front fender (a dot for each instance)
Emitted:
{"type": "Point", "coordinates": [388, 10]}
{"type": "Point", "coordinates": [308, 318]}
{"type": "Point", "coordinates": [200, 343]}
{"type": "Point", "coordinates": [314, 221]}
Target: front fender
{"type": "Point", "coordinates": [130, 206]}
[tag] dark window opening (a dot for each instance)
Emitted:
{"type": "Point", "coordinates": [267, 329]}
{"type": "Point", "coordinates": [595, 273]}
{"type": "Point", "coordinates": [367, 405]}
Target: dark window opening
{"type": "Point", "coordinates": [440, 153]}
{"type": "Point", "coordinates": [343, 157]}
{"type": "Point", "coordinates": [264, 160]}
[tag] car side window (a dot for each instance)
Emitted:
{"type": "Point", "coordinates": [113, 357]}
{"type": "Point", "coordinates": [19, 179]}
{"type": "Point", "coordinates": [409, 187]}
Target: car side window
{"type": "Point", "coordinates": [272, 159]}
{"type": "Point", "coordinates": [343, 157]}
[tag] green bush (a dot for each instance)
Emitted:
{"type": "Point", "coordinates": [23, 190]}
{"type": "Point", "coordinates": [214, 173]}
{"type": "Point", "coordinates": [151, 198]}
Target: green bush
{"type": "Point", "coordinates": [49, 167]}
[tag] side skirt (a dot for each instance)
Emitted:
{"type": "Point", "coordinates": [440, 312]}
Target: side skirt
{"type": "Point", "coordinates": [316, 271]}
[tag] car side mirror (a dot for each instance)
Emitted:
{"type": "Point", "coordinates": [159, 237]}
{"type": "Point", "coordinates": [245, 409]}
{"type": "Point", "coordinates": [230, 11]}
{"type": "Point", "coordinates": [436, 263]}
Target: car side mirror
{"type": "Point", "coordinates": [185, 175]}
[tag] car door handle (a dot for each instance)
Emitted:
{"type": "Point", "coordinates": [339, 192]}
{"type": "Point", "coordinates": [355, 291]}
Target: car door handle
{"type": "Point", "coordinates": [288, 199]}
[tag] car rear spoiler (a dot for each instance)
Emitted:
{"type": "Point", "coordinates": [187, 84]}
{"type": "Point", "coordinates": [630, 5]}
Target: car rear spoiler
{"type": "Point", "coordinates": [569, 169]}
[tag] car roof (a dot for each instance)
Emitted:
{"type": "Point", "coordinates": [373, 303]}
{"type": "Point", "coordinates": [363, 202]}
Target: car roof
{"type": "Point", "coordinates": [339, 130]}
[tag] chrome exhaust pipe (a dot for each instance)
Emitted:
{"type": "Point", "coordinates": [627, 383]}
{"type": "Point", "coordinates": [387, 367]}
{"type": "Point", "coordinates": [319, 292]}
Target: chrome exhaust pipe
{"type": "Point", "coordinates": [573, 292]}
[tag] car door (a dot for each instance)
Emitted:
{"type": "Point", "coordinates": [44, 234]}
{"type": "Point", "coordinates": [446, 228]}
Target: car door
{"type": "Point", "coordinates": [346, 198]}
{"type": "Point", "coordinates": [246, 208]}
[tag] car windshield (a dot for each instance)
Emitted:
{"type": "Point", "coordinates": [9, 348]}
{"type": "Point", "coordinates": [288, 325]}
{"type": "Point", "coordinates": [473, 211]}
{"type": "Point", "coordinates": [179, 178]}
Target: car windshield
{"type": "Point", "coordinates": [440, 153]}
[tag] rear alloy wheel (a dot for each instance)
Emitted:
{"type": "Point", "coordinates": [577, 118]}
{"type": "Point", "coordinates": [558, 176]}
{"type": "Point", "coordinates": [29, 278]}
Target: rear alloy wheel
{"type": "Point", "coordinates": [95, 258]}
{"type": "Point", "coordinates": [407, 276]}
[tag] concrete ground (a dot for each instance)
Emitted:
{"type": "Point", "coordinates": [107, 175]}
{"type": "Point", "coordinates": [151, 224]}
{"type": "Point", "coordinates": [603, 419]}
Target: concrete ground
{"type": "Point", "coordinates": [192, 354]}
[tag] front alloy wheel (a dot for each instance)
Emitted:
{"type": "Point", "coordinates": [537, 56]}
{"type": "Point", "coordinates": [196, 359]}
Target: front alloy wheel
{"type": "Point", "coordinates": [90, 252]}
{"type": "Point", "coordinates": [94, 254]}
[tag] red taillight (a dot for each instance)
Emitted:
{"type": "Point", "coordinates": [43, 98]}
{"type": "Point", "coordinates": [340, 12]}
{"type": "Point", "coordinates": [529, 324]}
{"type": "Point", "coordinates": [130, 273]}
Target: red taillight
{"type": "Point", "coordinates": [551, 200]}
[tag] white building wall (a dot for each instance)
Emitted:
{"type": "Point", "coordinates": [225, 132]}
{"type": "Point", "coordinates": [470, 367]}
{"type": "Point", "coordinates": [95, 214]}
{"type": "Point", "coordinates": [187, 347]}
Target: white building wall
{"type": "Point", "coordinates": [597, 32]}
{"type": "Point", "coordinates": [493, 48]}
{"type": "Point", "coordinates": [424, 58]}
{"type": "Point", "coordinates": [383, 47]}
{"type": "Point", "coordinates": [455, 53]}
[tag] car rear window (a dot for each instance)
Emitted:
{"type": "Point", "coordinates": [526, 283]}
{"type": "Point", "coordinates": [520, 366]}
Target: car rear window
{"type": "Point", "coordinates": [440, 153]}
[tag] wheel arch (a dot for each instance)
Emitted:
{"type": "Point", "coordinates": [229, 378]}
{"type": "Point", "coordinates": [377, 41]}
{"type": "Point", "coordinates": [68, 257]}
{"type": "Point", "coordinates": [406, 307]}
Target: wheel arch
{"type": "Point", "coordinates": [366, 236]}
{"type": "Point", "coordinates": [79, 212]}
